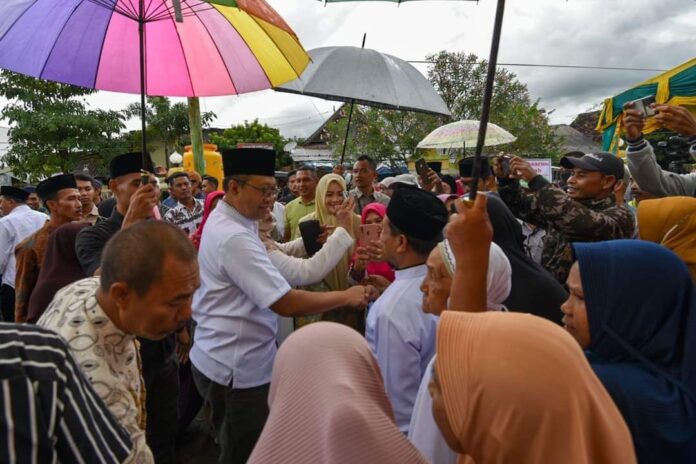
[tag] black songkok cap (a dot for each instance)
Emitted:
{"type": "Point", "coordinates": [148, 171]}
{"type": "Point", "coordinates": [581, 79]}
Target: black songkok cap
{"type": "Point", "coordinates": [129, 163]}
{"type": "Point", "coordinates": [466, 167]}
{"type": "Point", "coordinates": [249, 161]}
{"type": "Point", "coordinates": [53, 184]}
{"type": "Point", "coordinates": [14, 192]}
{"type": "Point", "coordinates": [417, 213]}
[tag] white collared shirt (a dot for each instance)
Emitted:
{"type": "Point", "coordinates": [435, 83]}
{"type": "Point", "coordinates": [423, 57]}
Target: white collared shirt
{"type": "Point", "coordinates": [15, 227]}
{"type": "Point", "coordinates": [402, 337]}
{"type": "Point", "coordinates": [235, 339]}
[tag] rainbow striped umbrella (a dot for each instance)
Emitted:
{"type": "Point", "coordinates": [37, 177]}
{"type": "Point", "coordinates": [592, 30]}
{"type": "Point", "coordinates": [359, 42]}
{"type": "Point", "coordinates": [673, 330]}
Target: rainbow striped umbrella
{"type": "Point", "coordinates": [180, 48]}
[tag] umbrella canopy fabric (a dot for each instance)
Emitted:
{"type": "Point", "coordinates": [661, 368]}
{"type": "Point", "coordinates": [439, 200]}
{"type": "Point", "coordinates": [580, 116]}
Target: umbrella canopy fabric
{"type": "Point", "coordinates": [464, 133]}
{"type": "Point", "coordinates": [366, 77]}
{"type": "Point", "coordinates": [340, 1]}
{"type": "Point", "coordinates": [239, 47]}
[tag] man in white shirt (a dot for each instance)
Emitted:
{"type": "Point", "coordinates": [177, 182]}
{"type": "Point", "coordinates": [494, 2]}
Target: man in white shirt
{"type": "Point", "coordinates": [17, 223]}
{"type": "Point", "coordinates": [400, 334]}
{"type": "Point", "coordinates": [238, 303]}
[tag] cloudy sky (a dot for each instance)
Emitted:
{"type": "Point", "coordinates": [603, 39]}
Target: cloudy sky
{"type": "Point", "coordinates": [618, 33]}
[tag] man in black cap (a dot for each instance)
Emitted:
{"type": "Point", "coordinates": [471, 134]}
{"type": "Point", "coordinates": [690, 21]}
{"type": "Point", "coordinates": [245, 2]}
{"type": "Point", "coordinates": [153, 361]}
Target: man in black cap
{"type": "Point", "coordinates": [400, 334]}
{"type": "Point", "coordinates": [17, 223]}
{"type": "Point", "coordinates": [486, 177]}
{"type": "Point", "coordinates": [60, 196]}
{"type": "Point", "coordinates": [237, 306]}
{"type": "Point", "coordinates": [136, 202]}
{"type": "Point", "coordinates": [586, 212]}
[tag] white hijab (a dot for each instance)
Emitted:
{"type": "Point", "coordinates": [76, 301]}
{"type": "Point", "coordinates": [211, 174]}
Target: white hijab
{"type": "Point", "coordinates": [499, 279]}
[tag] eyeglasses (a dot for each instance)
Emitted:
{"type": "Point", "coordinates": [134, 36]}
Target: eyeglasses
{"type": "Point", "coordinates": [266, 191]}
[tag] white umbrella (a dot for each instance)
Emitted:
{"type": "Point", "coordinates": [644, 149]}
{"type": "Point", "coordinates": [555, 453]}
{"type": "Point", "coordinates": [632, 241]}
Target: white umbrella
{"type": "Point", "coordinates": [461, 134]}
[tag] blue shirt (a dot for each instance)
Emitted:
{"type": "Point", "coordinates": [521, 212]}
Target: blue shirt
{"type": "Point", "coordinates": [402, 337]}
{"type": "Point", "coordinates": [235, 340]}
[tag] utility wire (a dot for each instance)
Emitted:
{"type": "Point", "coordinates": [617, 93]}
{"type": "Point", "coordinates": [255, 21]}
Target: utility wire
{"type": "Point", "coordinates": [562, 66]}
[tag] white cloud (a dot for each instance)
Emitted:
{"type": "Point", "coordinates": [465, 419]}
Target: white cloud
{"type": "Point", "coordinates": [625, 33]}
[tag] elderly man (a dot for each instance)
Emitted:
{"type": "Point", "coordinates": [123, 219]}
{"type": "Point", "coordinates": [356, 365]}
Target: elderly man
{"type": "Point", "coordinates": [238, 304]}
{"type": "Point", "coordinates": [136, 203]}
{"type": "Point", "coordinates": [364, 176]}
{"type": "Point", "coordinates": [17, 223]}
{"type": "Point", "coordinates": [587, 212]}
{"type": "Point", "coordinates": [59, 194]}
{"type": "Point", "coordinates": [306, 181]}
{"type": "Point", "coordinates": [85, 185]}
{"type": "Point", "coordinates": [100, 317]}
{"type": "Point", "coordinates": [400, 334]}
{"type": "Point", "coordinates": [188, 212]}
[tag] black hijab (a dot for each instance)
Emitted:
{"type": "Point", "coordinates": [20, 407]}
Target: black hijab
{"type": "Point", "coordinates": [534, 290]}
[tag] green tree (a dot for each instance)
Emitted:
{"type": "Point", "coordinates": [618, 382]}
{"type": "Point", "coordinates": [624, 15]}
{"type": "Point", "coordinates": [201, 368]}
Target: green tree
{"type": "Point", "coordinates": [167, 122]}
{"type": "Point", "coordinates": [252, 132]}
{"type": "Point", "coordinates": [460, 80]}
{"type": "Point", "coordinates": [389, 136]}
{"type": "Point", "coordinates": [51, 129]}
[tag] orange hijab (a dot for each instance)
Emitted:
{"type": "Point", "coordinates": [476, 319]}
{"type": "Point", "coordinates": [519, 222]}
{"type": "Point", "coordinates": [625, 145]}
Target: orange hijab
{"type": "Point", "coordinates": [671, 222]}
{"type": "Point", "coordinates": [328, 405]}
{"type": "Point", "coordinates": [518, 388]}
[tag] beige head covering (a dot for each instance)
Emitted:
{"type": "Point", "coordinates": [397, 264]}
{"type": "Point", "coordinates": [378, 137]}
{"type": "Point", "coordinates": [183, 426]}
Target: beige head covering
{"type": "Point", "coordinates": [337, 279]}
{"type": "Point", "coordinates": [518, 388]}
{"type": "Point", "coordinates": [328, 404]}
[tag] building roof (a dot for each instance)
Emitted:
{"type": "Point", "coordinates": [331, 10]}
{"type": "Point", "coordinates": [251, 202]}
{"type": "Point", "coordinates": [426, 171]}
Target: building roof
{"type": "Point", "coordinates": [573, 140]}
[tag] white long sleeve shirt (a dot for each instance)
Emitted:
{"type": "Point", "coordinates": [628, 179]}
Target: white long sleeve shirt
{"type": "Point", "coordinates": [402, 337]}
{"type": "Point", "coordinates": [15, 227]}
{"type": "Point", "coordinates": [299, 271]}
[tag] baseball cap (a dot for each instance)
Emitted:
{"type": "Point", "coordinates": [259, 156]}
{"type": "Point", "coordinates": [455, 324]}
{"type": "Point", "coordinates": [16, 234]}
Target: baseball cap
{"type": "Point", "coordinates": [606, 163]}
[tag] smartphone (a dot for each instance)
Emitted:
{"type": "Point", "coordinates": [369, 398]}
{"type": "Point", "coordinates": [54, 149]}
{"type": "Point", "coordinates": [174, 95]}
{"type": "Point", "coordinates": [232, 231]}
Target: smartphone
{"type": "Point", "coordinates": [421, 167]}
{"type": "Point", "coordinates": [505, 164]}
{"type": "Point", "coordinates": [643, 105]}
{"type": "Point", "coordinates": [435, 166]}
{"type": "Point", "coordinates": [310, 231]}
{"type": "Point", "coordinates": [369, 233]}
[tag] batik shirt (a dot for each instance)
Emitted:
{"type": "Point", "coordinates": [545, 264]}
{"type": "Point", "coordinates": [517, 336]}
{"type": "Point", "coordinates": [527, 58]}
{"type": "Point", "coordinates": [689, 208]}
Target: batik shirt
{"type": "Point", "coordinates": [108, 356]}
{"type": "Point", "coordinates": [566, 220]}
{"type": "Point", "coordinates": [186, 219]}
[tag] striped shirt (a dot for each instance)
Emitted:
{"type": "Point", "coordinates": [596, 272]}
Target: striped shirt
{"type": "Point", "coordinates": [48, 410]}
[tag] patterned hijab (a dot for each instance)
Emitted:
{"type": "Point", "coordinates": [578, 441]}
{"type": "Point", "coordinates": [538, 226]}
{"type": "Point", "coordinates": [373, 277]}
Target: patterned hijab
{"type": "Point", "coordinates": [671, 222]}
{"type": "Point", "coordinates": [518, 388]}
{"type": "Point", "coordinates": [328, 404]}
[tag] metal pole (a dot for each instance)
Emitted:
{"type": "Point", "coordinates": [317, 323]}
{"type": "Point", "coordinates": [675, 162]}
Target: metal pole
{"type": "Point", "coordinates": [345, 139]}
{"type": "Point", "coordinates": [350, 113]}
{"type": "Point", "coordinates": [143, 108]}
{"type": "Point", "coordinates": [487, 97]}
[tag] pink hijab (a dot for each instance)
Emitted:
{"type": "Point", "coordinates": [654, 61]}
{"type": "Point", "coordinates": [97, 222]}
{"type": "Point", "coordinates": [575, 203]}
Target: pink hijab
{"type": "Point", "coordinates": [383, 269]}
{"type": "Point", "coordinates": [328, 404]}
{"type": "Point", "coordinates": [207, 209]}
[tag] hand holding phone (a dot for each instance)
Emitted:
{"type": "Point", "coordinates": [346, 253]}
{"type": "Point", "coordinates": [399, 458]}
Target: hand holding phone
{"type": "Point", "coordinates": [422, 168]}
{"type": "Point", "coordinates": [369, 233]}
{"type": "Point", "coordinates": [310, 231]}
{"type": "Point", "coordinates": [644, 105]}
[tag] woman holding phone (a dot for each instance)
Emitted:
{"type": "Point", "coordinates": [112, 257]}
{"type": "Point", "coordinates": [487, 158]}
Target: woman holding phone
{"type": "Point", "coordinates": [363, 267]}
{"type": "Point", "coordinates": [330, 196]}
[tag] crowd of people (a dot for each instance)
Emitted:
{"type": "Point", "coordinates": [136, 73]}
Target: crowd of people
{"type": "Point", "coordinates": [390, 321]}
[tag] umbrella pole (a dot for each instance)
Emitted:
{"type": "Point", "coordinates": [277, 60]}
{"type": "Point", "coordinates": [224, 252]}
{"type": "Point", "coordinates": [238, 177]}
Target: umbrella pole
{"type": "Point", "coordinates": [143, 108]}
{"type": "Point", "coordinates": [487, 97]}
{"type": "Point", "coordinates": [345, 139]}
